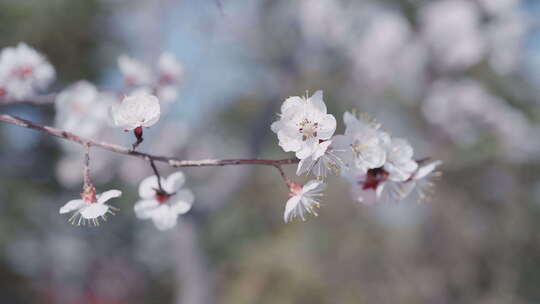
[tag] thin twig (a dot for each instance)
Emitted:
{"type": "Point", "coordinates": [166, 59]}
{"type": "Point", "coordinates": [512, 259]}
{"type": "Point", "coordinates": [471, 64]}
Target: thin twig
{"type": "Point", "coordinates": [171, 161]}
{"type": "Point", "coordinates": [284, 176]}
{"type": "Point", "coordinates": [86, 169]}
{"type": "Point", "coordinates": [156, 172]}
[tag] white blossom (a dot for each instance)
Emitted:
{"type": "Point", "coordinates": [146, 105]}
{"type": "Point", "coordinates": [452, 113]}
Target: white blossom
{"type": "Point", "coordinates": [134, 72]}
{"type": "Point", "coordinates": [136, 110]}
{"type": "Point", "coordinates": [163, 204]}
{"type": "Point", "coordinates": [304, 125]}
{"type": "Point", "coordinates": [91, 207]}
{"type": "Point", "coordinates": [399, 163]}
{"type": "Point", "coordinates": [303, 200]}
{"type": "Point", "coordinates": [23, 71]}
{"type": "Point", "coordinates": [421, 182]}
{"type": "Point", "coordinates": [328, 163]}
{"type": "Point", "coordinates": [452, 30]}
{"type": "Point", "coordinates": [82, 109]}
{"type": "Point", "coordinates": [169, 69]}
{"type": "Point", "coordinates": [365, 144]}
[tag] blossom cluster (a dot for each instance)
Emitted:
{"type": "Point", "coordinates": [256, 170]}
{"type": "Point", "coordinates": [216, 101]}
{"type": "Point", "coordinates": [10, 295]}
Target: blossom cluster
{"type": "Point", "coordinates": [378, 166]}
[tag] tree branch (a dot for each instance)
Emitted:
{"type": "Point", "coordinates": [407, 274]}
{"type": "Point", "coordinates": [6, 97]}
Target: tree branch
{"type": "Point", "coordinates": [171, 161]}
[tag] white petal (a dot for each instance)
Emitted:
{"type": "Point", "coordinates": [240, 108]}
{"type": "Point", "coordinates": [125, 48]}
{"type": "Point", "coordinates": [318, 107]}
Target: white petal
{"type": "Point", "coordinates": [148, 186]}
{"type": "Point", "coordinates": [290, 206]}
{"type": "Point", "coordinates": [317, 101]}
{"type": "Point", "coordinates": [94, 210]}
{"type": "Point", "coordinates": [72, 205]}
{"type": "Point", "coordinates": [107, 195]}
{"type": "Point", "coordinates": [163, 218]}
{"type": "Point", "coordinates": [291, 102]}
{"type": "Point", "coordinates": [145, 209]}
{"type": "Point", "coordinates": [185, 196]}
{"type": "Point", "coordinates": [174, 182]}
{"type": "Point", "coordinates": [181, 206]}
{"type": "Point", "coordinates": [427, 169]}
{"type": "Point", "coordinates": [312, 185]}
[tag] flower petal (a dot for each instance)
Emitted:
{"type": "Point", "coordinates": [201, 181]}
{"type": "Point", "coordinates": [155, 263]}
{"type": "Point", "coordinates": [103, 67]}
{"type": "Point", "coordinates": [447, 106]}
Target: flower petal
{"type": "Point", "coordinates": [94, 210]}
{"type": "Point", "coordinates": [145, 209]}
{"type": "Point", "coordinates": [107, 195]}
{"type": "Point", "coordinates": [163, 218]}
{"type": "Point", "coordinates": [72, 205]}
{"type": "Point", "coordinates": [174, 182]}
{"type": "Point", "coordinates": [317, 101]}
{"type": "Point", "coordinates": [292, 203]}
{"type": "Point", "coordinates": [148, 186]}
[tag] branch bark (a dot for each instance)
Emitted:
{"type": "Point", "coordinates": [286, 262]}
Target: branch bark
{"type": "Point", "coordinates": [171, 161]}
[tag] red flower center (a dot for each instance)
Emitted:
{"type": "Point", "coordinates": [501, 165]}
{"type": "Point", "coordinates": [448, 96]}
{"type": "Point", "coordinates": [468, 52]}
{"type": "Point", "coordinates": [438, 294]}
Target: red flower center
{"type": "Point", "coordinates": [162, 196]}
{"type": "Point", "coordinates": [23, 72]}
{"type": "Point", "coordinates": [373, 178]}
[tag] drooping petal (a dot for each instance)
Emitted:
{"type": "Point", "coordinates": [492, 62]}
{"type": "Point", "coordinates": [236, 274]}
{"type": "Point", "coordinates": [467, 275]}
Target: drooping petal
{"type": "Point", "coordinates": [147, 188]}
{"type": "Point", "coordinates": [291, 205]}
{"type": "Point", "coordinates": [107, 195]}
{"type": "Point", "coordinates": [427, 169]}
{"type": "Point", "coordinates": [145, 209]}
{"type": "Point", "coordinates": [72, 205]}
{"type": "Point", "coordinates": [94, 210]}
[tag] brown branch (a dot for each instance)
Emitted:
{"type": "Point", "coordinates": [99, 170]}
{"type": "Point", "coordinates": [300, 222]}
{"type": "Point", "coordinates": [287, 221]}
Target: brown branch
{"type": "Point", "coordinates": [171, 161]}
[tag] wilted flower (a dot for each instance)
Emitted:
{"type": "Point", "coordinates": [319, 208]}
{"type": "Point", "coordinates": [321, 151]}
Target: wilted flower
{"type": "Point", "coordinates": [91, 207]}
{"type": "Point", "coordinates": [304, 125]}
{"type": "Point", "coordinates": [399, 163]}
{"type": "Point", "coordinates": [163, 200]}
{"type": "Point", "coordinates": [135, 72]}
{"type": "Point", "coordinates": [23, 71]}
{"type": "Point", "coordinates": [364, 142]}
{"type": "Point", "coordinates": [303, 200]}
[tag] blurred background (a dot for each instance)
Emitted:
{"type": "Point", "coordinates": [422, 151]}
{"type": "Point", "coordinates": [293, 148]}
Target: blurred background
{"type": "Point", "coordinates": [457, 78]}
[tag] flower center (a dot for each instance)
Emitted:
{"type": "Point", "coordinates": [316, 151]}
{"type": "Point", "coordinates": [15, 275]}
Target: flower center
{"type": "Point", "coordinates": [373, 178]}
{"type": "Point", "coordinates": [22, 72]}
{"type": "Point", "coordinates": [89, 195]}
{"type": "Point", "coordinates": [162, 196]}
{"type": "Point", "coordinates": [308, 129]}
{"type": "Point", "coordinates": [357, 147]}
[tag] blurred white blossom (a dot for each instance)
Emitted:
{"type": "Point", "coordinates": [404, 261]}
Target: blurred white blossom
{"type": "Point", "coordinates": [23, 72]}
{"type": "Point", "coordinates": [452, 30]}
{"type": "Point", "coordinates": [135, 73]}
{"type": "Point", "coordinates": [169, 69]}
{"type": "Point", "coordinates": [82, 109]}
